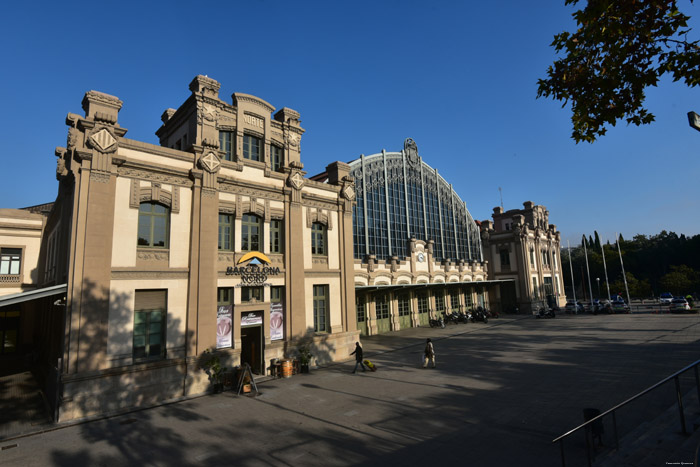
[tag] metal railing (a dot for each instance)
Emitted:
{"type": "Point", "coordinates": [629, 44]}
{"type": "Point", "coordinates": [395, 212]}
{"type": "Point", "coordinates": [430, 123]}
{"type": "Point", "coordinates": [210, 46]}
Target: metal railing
{"type": "Point", "coordinates": [599, 418]}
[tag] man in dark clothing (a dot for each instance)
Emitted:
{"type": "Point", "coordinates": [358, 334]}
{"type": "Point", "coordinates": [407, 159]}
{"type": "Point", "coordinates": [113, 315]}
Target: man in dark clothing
{"type": "Point", "coordinates": [358, 357]}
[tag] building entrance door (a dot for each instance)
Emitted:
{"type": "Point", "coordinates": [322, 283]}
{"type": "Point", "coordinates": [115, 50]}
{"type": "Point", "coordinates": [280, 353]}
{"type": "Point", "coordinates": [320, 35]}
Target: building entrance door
{"type": "Point", "coordinates": [9, 332]}
{"type": "Point", "coordinates": [383, 314]}
{"type": "Point", "coordinates": [251, 347]}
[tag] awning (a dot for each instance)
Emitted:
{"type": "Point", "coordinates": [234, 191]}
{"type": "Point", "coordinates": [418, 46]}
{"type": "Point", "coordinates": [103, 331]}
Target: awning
{"type": "Point", "coordinates": [15, 298]}
{"type": "Point", "coordinates": [389, 287]}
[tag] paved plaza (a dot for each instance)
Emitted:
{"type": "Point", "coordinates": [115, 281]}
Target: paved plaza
{"type": "Point", "coordinates": [500, 393]}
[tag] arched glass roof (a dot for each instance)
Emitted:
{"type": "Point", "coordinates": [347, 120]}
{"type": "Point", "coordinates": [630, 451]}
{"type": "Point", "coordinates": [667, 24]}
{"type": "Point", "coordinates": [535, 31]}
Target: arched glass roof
{"type": "Point", "coordinates": [400, 197]}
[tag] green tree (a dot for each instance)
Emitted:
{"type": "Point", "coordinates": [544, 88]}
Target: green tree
{"type": "Point", "coordinates": [620, 48]}
{"type": "Point", "coordinates": [681, 280]}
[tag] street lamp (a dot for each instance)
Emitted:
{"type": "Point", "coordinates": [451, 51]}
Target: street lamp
{"type": "Point", "coordinates": [597, 279]}
{"type": "Point", "coordinates": [694, 120]}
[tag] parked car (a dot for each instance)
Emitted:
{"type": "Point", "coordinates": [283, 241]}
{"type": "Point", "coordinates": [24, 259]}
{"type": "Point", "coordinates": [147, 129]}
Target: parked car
{"type": "Point", "coordinates": [679, 305]}
{"type": "Point", "coordinates": [573, 308]}
{"type": "Point", "coordinates": [666, 298]}
{"type": "Point", "coordinates": [619, 306]}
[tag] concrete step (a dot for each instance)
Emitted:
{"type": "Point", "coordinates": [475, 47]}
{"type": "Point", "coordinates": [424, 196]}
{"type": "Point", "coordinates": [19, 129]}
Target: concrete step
{"type": "Point", "coordinates": [653, 443]}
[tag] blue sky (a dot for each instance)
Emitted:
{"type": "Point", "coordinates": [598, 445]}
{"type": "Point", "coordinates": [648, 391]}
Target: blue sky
{"type": "Point", "coordinates": [457, 77]}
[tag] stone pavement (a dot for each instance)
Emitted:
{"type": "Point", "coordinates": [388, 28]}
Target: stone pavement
{"type": "Point", "coordinates": [500, 394]}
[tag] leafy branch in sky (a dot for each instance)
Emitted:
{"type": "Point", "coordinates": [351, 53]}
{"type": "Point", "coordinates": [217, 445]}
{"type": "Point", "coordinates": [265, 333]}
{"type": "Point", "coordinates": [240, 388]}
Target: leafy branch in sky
{"type": "Point", "coordinates": [620, 48]}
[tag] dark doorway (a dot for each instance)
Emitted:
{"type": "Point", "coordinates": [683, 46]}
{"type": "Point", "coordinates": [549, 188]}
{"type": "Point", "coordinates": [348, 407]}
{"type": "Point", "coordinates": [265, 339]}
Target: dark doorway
{"type": "Point", "coordinates": [9, 331]}
{"type": "Point", "coordinates": [251, 347]}
{"type": "Point", "coordinates": [508, 299]}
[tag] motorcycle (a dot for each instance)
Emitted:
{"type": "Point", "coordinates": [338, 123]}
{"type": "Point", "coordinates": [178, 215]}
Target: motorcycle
{"type": "Point", "coordinates": [492, 314]}
{"type": "Point", "coordinates": [545, 313]}
{"type": "Point", "coordinates": [463, 317]}
{"type": "Point", "coordinates": [480, 315]}
{"type": "Point", "coordinates": [452, 318]}
{"type": "Point", "coordinates": [437, 323]}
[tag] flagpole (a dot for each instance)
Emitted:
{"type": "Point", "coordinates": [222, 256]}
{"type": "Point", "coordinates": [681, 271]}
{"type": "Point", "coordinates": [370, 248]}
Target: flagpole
{"type": "Point", "coordinates": [588, 271]}
{"type": "Point", "coordinates": [624, 276]}
{"type": "Point", "coordinates": [573, 285]}
{"type": "Point", "coordinates": [605, 268]}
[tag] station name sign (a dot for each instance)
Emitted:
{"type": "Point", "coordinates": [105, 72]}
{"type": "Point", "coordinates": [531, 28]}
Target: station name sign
{"type": "Point", "coordinates": [253, 269]}
{"type": "Point", "coordinates": [253, 275]}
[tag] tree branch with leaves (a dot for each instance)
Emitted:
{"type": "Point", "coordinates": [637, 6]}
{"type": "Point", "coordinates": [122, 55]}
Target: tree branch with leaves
{"type": "Point", "coordinates": [620, 48]}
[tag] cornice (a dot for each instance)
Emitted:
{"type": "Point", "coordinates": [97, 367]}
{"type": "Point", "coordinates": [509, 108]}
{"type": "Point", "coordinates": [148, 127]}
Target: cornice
{"type": "Point", "coordinates": [156, 150]}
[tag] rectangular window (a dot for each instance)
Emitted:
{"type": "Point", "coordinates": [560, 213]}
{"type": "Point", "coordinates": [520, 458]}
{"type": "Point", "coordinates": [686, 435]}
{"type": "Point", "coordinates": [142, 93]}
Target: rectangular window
{"type": "Point", "coordinates": [404, 305]}
{"type": "Point", "coordinates": [149, 324]}
{"type": "Point", "coordinates": [251, 148]}
{"type": "Point", "coordinates": [547, 286]}
{"type": "Point", "coordinates": [276, 294]}
{"type": "Point", "coordinates": [532, 257]}
{"type": "Point", "coordinates": [535, 291]}
{"type": "Point", "coordinates": [423, 306]}
{"type": "Point", "coordinates": [360, 308]}
{"type": "Point", "coordinates": [251, 232]}
{"type": "Point", "coordinates": [276, 236]}
{"type": "Point", "coordinates": [318, 239]}
{"type": "Point", "coordinates": [454, 301]}
{"type": "Point", "coordinates": [505, 259]}
{"type": "Point", "coordinates": [468, 301]}
{"type": "Point", "coordinates": [224, 296]}
{"type": "Point", "coordinates": [10, 260]}
{"type": "Point", "coordinates": [154, 220]}
{"type": "Point", "coordinates": [382, 307]}
{"type": "Point", "coordinates": [275, 158]}
{"type": "Point", "coordinates": [226, 144]}
{"type": "Point", "coordinates": [226, 227]}
{"type": "Point", "coordinates": [321, 312]}
{"type": "Point", "coordinates": [249, 294]}
{"type": "Point", "coordinates": [439, 301]}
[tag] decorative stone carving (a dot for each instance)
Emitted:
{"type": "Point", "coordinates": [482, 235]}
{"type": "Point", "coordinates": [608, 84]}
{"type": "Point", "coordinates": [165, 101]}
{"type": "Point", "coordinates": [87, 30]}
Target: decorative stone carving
{"type": "Point", "coordinates": [100, 177]}
{"type": "Point", "coordinates": [296, 181]}
{"type": "Point", "coordinates": [150, 255]}
{"type": "Point", "coordinates": [103, 141]}
{"type": "Point", "coordinates": [348, 192]}
{"type": "Point", "coordinates": [210, 162]}
{"type": "Point", "coordinates": [168, 179]}
{"type": "Point", "coordinates": [205, 112]}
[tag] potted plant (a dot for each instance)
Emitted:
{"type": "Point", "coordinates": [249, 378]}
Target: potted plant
{"type": "Point", "coordinates": [304, 358]}
{"type": "Point", "coordinates": [212, 366]}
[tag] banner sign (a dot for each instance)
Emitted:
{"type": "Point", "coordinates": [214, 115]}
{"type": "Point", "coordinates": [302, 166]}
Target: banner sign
{"type": "Point", "coordinates": [252, 318]}
{"type": "Point", "coordinates": [224, 326]}
{"type": "Point", "coordinates": [276, 321]}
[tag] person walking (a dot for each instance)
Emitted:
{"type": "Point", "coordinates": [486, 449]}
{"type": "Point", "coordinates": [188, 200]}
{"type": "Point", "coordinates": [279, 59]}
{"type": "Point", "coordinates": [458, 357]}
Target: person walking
{"type": "Point", "coordinates": [429, 354]}
{"type": "Point", "coordinates": [358, 357]}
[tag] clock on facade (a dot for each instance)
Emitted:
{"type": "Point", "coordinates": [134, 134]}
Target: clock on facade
{"type": "Point", "coordinates": [420, 257]}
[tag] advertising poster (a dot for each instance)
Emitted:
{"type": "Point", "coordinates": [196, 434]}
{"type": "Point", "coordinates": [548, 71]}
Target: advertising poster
{"type": "Point", "coordinates": [276, 321]}
{"type": "Point", "coordinates": [224, 326]}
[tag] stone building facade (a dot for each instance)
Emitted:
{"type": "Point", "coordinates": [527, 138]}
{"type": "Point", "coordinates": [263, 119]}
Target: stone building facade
{"type": "Point", "coordinates": [521, 245]}
{"type": "Point", "coordinates": [213, 241]}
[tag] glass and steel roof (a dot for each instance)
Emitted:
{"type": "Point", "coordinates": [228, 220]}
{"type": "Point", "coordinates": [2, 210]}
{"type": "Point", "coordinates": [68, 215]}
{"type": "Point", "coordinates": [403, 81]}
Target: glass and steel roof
{"type": "Point", "coordinates": [400, 197]}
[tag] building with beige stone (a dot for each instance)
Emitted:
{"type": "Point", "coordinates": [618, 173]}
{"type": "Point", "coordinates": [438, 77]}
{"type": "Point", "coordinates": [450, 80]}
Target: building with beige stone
{"type": "Point", "coordinates": [20, 245]}
{"type": "Point", "coordinates": [521, 245]}
{"type": "Point", "coordinates": [213, 241]}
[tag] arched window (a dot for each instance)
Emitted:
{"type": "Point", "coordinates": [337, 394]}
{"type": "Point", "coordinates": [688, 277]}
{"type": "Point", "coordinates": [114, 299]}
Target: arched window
{"type": "Point", "coordinates": [251, 232]}
{"type": "Point", "coordinates": [154, 225]}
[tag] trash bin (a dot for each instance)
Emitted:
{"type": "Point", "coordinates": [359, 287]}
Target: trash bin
{"type": "Point", "coordinates": [595, 429]}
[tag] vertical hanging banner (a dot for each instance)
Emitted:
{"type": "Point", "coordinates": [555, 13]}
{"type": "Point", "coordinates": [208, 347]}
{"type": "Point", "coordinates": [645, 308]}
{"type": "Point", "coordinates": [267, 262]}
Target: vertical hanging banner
{"type": "Point", "coordinates": [276, 321]}
{"type": "Point", "coordinates": [224, 326]}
